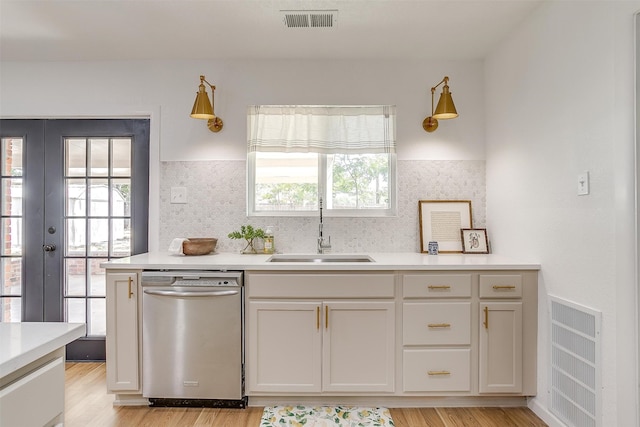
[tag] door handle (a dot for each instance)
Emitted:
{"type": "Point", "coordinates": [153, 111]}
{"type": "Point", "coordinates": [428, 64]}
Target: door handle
{"type": "Point", "coordinates": [130, 291]}
{"type": "Point", "coordinates": [486, 317]}
{"type": "Point", "coordinates": [48, 248]}
{"type": "Point", "coordinates": [170, 293]}
{"type": "Point", "coordinates": [326, 317]}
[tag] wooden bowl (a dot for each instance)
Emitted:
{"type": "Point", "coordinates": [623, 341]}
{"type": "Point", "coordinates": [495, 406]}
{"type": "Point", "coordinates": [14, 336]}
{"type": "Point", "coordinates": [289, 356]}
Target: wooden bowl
{"type": "Point", "coordinates": [199, 246]}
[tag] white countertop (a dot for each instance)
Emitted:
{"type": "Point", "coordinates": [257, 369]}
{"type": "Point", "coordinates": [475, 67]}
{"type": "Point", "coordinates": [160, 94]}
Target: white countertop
{"type": "Point", "coordinates": [382, 261]}
{"type": "Point", "coordinates": [23, 343]}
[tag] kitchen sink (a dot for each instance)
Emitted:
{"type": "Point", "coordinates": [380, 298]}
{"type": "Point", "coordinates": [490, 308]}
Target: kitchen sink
{"type": "Point", "coordinates": [320, 258]}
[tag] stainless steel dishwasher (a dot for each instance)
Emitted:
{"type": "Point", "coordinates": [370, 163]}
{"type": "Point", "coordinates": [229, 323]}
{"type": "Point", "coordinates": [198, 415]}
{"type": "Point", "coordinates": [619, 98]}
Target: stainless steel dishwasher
{"type": "Point", "coordinates": [192, 338]}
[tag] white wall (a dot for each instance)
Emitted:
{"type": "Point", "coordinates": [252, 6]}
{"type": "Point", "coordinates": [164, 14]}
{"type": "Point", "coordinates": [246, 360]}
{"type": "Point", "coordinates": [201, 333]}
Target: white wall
{"type": "Point", "coordinates": [121, 88]}
{"type": "Point", "coordinates": [560, 101]}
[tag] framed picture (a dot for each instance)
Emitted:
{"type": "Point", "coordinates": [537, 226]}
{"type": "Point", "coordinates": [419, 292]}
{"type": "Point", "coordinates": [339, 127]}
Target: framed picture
{"type": "Point", "coordinates": [474, 241]}
{"type": "Point", "coordinates": [441, 221]}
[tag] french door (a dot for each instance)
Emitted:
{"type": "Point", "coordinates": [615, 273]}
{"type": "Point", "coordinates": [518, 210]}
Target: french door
{"type": "Point", "coordinates": [74, 193]}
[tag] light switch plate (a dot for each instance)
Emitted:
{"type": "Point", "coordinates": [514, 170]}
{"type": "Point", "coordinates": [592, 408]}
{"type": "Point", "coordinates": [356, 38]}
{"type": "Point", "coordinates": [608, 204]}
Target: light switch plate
{"type": "Point", "coordinates": [178, 195]}
{"type": "Point", "coordinates": [583, 184]}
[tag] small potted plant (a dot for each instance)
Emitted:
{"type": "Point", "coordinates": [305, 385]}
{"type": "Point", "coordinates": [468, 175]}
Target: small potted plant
{"type": "Point", "coordinates": [248, 233]}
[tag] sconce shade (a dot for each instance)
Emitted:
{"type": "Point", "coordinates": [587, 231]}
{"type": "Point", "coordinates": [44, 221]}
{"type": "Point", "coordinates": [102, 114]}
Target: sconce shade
{"type": "Point", "coordinates": [202, 108]}
{"type": "Point", "coordinates": [445, 109]}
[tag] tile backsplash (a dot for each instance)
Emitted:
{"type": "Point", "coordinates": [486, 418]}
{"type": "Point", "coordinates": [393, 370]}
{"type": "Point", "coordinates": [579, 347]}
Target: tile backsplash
{"type": "Point", "coordinates": [216, 205]}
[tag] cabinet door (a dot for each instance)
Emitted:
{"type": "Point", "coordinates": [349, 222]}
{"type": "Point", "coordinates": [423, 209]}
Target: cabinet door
{"type": "Point", "coordinates": [122, 332]}
{"type": "Point", "coordinates": [500, 347]}
{"type": "Point", "coordinates": [284, 346]}
{"type": "Point", "coordinates": [358, 346]}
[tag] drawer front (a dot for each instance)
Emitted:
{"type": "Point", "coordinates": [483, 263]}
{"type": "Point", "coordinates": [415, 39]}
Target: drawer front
{"type": "Point", "coordinates": [500, 286]}
{"type": "Point", "coordinates": [263, 285]}
{"type": "Point", "coordinates": [436, 285]}
{"type": "Point", "coordinates": [441, 323]}
{"type": "Point", "coordinates": [437, 370]}
{"type": "Point", "coordinates": [35, 399]}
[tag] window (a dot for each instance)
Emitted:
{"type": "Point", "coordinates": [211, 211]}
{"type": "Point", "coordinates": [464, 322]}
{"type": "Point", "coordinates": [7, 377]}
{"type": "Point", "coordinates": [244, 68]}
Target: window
{"type": "Point", "coordinates": [344, 154]}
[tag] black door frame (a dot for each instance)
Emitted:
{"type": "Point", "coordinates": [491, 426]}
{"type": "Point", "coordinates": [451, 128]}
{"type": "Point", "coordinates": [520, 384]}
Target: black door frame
{"type": "Point", "coordinates": [44, 208]}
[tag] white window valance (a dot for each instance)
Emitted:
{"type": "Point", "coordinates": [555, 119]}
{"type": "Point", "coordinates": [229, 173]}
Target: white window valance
{"type": "Point", "coordinates": [322, 129]}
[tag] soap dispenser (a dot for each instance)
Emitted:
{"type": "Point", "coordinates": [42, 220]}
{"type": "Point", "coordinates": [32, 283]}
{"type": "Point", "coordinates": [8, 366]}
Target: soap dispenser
{"type": "Point", "coordinates": [269, 245]}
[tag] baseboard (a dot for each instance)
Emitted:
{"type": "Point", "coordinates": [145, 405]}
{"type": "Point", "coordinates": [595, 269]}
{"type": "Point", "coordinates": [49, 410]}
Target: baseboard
{"type": "Point", "coordinates": [544, 414]}
{"type": "Point", "coordinates": [130, 400]}
{"type": "Point", "coordinates": [392, 401]}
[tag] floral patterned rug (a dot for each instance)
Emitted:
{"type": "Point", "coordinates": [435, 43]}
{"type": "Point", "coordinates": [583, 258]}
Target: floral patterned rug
{"type": "Point", "coordinates": [325, 416]}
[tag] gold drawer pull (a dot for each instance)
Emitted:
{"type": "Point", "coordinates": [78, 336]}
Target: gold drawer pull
{"type": "Point", "coordinates": [435, 287]}
{"type": "Point", "coordinates": [499, 287]}
{"type": "Point", "coordinates": [318, 318]}
{"type": "Point", "coordinates": [439, 325]}
{"type": "Point", "coordinates": [433, 373]}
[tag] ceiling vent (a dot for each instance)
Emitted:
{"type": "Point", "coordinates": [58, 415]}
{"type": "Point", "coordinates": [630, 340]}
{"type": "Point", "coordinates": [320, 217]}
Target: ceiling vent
{"type": "Point", "coordinates": [309, 18]}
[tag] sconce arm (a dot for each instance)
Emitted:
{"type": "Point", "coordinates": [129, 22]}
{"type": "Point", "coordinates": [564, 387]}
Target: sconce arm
{"type": "Point", "coordinates": [433, 89]}
{"type": "Point", "coordinates": [203, 80]}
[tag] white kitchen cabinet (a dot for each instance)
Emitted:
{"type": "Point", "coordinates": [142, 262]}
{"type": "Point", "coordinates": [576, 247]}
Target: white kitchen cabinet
{"type": "Point", "coordinates": [32, 370]}
{"type": "Point", "coordinates": [286, 341]}
{"type": "Point", "coordinates": [473, 333]}
{"type": "Point", "coordinates": [436, 285]}
{"type": "Point", "coordinates": [122, 351]}
{"type": "Point", "coordinates": [436, 332]}
{"type": "Point", "coordinates": [437, 370]}
{"type": "Point", "coordinates": [437, 323]}
{"type": "Point", "coordinates": [500, 347]}
{"type": "Point", "coordinates": [358, 346]}
{"type": "Point", "coordinates": [37, 398]}
{"type": "Point", "coordinates": [507, 327]}
{"type": "Point", "coordinates": [298, 342]}
{"type": "Point", "coordinates": [340, 335]}
{"type": "Point", "coordinates": [500, 333]}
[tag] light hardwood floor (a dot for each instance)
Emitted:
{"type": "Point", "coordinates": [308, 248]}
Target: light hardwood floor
{"type": "Point", "coordinates": [88, 404]}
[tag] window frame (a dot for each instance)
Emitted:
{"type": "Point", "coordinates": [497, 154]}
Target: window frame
{"type": "Point", "coordinates": [391, 211]}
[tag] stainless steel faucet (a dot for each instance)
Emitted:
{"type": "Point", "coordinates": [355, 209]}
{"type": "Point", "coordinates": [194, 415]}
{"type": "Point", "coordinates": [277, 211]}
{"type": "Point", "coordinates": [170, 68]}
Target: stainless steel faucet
{"type": "Point", "coordinates": [323, 245]}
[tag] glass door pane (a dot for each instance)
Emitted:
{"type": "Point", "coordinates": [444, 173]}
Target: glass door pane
{"type": "Point", "coordinates": [11, 232]}
{"type": "Point", "coordinates": [98, 222]}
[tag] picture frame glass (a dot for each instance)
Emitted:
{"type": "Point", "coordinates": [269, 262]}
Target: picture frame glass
{"type": "Point", "coordinates": [474, 241]}
{"type": "Point", "coordinates": [441, 221]}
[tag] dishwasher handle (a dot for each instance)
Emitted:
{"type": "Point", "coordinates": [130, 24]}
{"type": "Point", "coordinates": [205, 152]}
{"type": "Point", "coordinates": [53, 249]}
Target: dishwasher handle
{"type": "Point", "coordinates": [173, 293]}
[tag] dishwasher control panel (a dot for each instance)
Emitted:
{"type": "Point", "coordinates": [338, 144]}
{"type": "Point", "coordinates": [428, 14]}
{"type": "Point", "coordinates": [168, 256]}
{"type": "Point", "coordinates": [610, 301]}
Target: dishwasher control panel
{"type": "Point", "coordinates": [205, 281]}
{"type": "Point", "coordinates": [192, 278]}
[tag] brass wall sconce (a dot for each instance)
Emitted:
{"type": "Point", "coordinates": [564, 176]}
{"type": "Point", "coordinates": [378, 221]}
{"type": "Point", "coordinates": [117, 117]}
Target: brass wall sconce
{"type": "Point", "coordinates": [444, 110]}
{"type": "Point", "coordinates": [203, 109]}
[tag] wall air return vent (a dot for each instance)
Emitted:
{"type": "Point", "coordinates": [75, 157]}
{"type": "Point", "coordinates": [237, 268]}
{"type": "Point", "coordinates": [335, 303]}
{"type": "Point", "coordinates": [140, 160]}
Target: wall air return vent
{"type": "Point", "coordinates": [576, 367]}
{"type": "Point", "coordinates": [309, 18]}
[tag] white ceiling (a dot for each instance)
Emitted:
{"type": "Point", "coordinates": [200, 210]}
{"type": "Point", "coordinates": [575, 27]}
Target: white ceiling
{"type": "Point", "coordinates": [64, 30]}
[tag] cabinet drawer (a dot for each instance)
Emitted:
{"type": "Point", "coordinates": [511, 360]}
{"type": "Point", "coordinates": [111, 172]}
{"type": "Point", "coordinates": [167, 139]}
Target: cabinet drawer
{"type": "Point", "coordinates": [320, 285]}
{"type": "Point", "coordinates": [35, 399]}
{"type": "Point", "coordinates": [436, 323]}
{"type": "Point", "coordinates": [437, 370]}
{"type": "Point", "coordinates": [436, 285]}
{"type": "Point", "coordinates": [500, 286]}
